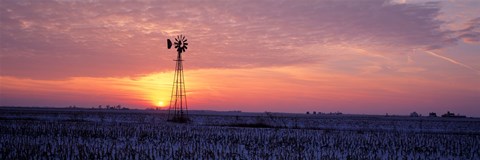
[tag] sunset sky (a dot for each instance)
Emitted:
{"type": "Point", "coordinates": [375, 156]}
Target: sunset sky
{"type": "Point", "coordinates": [352, 56]}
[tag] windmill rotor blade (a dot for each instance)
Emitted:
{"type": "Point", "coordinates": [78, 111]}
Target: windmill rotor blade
{"type": "Point", "coordinates": [180, 43]}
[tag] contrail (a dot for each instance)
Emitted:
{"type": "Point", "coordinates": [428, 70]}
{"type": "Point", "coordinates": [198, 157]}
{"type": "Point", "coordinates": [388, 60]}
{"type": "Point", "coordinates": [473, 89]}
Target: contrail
{"type": "Point", "coordinates": [453, 61]}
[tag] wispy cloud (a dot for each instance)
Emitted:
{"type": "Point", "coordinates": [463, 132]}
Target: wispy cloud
{"type": "Point", "coordinates": [453, 61]}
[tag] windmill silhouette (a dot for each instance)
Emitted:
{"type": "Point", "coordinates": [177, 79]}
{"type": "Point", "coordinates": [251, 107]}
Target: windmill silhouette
{"type": "Point", "coordinates": [178, 110]}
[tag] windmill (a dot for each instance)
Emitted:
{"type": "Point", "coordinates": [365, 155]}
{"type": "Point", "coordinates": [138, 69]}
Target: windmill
{"type": "Point", "coordinates": [178, 111]}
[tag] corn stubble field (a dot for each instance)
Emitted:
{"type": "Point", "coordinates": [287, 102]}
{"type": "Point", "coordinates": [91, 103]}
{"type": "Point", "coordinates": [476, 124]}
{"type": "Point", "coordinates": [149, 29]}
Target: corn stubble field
{"type": "Point", "coordinates": [27, 133]}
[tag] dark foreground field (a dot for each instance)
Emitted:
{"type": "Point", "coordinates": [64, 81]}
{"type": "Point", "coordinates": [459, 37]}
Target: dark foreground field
{"type": "Point", "coordinates": [29, 133]}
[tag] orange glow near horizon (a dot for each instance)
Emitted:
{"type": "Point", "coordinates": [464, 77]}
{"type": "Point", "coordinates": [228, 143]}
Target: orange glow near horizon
{"type": "Point", "coordinates": [291, 89]}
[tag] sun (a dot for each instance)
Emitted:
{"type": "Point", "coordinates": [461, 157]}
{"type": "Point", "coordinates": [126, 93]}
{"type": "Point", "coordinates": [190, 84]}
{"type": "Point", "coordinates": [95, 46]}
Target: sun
{"type": "Point", "coordinates": [161, 104]}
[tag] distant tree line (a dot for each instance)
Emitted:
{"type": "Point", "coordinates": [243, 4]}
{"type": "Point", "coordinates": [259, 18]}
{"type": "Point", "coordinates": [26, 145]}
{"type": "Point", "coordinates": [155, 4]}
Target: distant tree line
{"type": "Point", "coordinates": [113, 107]}
{"type": "Point", "coordinates": [106, 107]}
{"type": "Point", "coordinates": [331, 113]}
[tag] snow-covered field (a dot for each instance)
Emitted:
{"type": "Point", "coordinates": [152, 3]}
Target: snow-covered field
{"type": "Point", "coordinates": [138, 134]}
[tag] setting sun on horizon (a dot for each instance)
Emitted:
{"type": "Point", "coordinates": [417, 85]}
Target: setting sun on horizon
{"type": "Point", "coordinates": [161, 104]}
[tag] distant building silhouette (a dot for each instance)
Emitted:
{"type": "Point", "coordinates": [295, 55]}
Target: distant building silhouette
{"type": "Point", "coordinates": [452, 115]}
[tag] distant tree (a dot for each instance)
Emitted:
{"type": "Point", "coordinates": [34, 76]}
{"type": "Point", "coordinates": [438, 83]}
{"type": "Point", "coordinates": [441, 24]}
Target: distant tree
{"type": "Point", "coordinates": [308, 112]}
{"type": "Point", "coordinates": [99, 106]}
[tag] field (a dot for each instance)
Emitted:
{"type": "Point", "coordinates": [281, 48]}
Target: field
{"type": "Point", "coordinates": [42, 133]}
